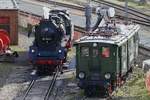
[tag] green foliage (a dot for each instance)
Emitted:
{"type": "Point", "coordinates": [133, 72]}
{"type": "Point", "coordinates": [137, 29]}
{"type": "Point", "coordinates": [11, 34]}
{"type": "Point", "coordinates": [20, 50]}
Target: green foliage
{"type": "Point", "coordinates": [134, 87]}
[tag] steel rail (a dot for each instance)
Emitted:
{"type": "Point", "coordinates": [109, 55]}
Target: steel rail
{"type": "Point", "coordinates": [63, 4]}
{"type": "Point", "coordinates": [29, 88]}
{"type": "Point", "coordinates": [131, 9]}
{"type": "Point", "coordinates": [121, 8]}
{"type": "Point", "coordinates": [142, 21]}
{"type": "Point", "coordinates": [144, 48]}
{"type": "Point", "coordinates": [52, 84]}
{"type": "Point", "coordinates": [24, 13]}
{"type": "Point", "coordinates": [82, 8]}
{"type": "Point", "coordinates": [80, 29]}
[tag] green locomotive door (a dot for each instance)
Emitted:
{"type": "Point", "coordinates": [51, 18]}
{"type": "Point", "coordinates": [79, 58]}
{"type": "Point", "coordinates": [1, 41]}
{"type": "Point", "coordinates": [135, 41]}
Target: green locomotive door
{"type": "Point", "coordinates": [95, 68]}
{"type": "Point", "coordinates": [95, 60]}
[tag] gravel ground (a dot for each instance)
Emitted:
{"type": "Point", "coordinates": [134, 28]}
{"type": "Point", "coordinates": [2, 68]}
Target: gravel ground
{"type": "Point", "coordinates": [14, 75]}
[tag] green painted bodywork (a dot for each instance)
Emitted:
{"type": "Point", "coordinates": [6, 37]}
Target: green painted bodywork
{"type": "Point", "coordinates": [97, 64]}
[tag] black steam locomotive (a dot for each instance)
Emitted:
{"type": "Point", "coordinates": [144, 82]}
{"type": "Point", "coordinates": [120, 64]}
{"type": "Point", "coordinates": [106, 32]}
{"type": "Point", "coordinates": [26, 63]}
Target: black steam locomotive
{"type": "Point", "coordinates": [52, 41]}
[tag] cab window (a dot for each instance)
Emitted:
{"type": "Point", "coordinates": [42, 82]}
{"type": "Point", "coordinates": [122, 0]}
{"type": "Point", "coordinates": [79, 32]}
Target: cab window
{"type": "Point", "coordinates": [84, 51]}
{"type": "Point", "coordinates": [95, 52]}
{"type": "Point", "coordinates": [105, 52]}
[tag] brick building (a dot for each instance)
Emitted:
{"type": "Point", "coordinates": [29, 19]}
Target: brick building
{"type": "Point", "coordinates": [9, 19]}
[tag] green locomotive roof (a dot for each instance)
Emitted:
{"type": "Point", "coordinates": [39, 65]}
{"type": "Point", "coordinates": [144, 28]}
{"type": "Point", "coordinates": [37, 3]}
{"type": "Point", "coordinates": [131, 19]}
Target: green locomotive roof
{"type": "Point", "coordinates": [124, 33]}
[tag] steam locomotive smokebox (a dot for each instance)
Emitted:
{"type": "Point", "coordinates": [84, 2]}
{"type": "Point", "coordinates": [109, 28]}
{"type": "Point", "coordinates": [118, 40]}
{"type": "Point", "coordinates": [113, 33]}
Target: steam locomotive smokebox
{"type": "Point", "coordinates": [9, 19]}
{"type": "Point", "coordinates": [146, 65]}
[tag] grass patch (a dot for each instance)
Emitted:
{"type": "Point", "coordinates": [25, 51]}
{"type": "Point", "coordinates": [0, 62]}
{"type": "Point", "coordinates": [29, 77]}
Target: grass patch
{"type": "Point", "coordinates": [17, 48]}
{"type": "Point", "coordinates": [72, 78]}
{"type": "Point", "coordinates": [134, 88]}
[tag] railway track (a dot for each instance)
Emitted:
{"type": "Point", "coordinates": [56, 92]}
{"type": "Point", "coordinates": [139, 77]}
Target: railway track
{"type": "Point", "coordinates": [141, 18]}
{"type": "Point", "coordinates": [51, 87]}
{"type": "Point", "coordinates": [36, 86]}
{"type": "Point", "coordinates": [119, 7]}
{"type": "Point", "coordinates": [134, 15]}
{"type": "Point", "coordinates": [144, 50]}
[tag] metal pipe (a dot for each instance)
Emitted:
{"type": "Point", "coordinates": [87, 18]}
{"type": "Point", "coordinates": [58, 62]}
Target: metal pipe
{"type": "Point", "coordinates": [88, 15]}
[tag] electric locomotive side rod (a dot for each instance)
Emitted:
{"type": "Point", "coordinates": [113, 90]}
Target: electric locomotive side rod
{"type": "Point", "coordinates": [52, 84]}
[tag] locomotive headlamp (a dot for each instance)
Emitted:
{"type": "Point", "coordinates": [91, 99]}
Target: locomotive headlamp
{"type": "Point", "coordinates": [32, 50]}
{"type": "Point", "coordinates": [81, 75]}
{"type": "Point", "coordinates": [59, 51]}
{"type": "Point", "coordinates": [107, 75]}
{"type": "Point", "coordinates": [94, 44]}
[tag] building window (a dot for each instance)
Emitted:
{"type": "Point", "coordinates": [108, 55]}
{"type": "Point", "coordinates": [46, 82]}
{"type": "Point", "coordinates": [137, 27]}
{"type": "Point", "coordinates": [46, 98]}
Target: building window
{"type": "Point", "coordinates": [105, 52]}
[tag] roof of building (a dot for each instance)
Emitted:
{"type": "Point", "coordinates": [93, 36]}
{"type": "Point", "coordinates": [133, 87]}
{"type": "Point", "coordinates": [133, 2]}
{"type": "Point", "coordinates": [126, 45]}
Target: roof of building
{"type": "Point", "coordinates": [8, 4]}
{"type": "Point", "coordinates": [125, 33]}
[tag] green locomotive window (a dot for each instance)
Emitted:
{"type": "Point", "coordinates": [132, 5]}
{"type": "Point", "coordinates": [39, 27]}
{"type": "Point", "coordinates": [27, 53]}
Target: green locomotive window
{"type": "Point", "coordinates": [95, 52]}
{"type": "Point", "coordinates": [85, 51]}
{"type": "Point", "coordinates": [105, 52]}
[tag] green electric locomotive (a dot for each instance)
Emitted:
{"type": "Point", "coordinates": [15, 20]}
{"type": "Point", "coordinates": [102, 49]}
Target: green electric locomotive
{"type": "Point", "coordinates": [104, 58]}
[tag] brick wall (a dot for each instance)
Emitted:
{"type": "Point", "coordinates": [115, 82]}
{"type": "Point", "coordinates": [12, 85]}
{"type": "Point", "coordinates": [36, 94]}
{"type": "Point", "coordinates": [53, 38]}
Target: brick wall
{"type": "Point", "coordinates": [25, 19]}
